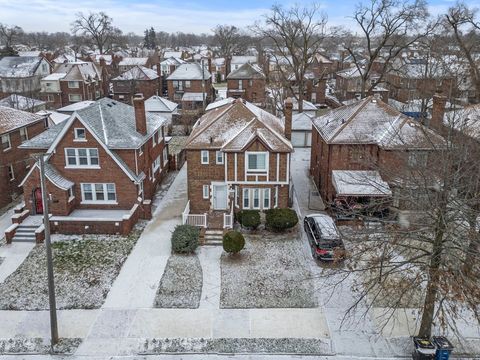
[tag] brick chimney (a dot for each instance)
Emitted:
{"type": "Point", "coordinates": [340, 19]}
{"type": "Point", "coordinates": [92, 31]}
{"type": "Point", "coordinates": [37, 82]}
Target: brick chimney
{"type": "Point", "coordinates": [438, 111]}
{"type": "Point", "coordinates": [140, 116]}
{"type": "Point", "coordinates": [228, 65]}
{"type": "Point", "coordinates": [209, 61]}
{"type": "Point", "coordinates": [288, 118]}
{"type": "Point", "coordinates": [320, 91]}
{"type": "Point", "coordinates": [160, 79]}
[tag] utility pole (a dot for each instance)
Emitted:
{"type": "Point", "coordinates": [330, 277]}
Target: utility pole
{"type": "Point", "coordinates": [51, 284]}
{"type": "Point", "coordinates": [203, 84]}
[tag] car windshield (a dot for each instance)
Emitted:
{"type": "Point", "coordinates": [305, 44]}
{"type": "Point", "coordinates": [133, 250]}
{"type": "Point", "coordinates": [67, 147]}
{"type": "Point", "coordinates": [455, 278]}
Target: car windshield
{"type": "Point", "coordinates": [329, 244]}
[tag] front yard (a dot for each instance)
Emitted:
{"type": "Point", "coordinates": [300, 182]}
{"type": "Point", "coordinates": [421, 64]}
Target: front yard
{"type": "Point", "coordinates": [271, 272]}
{"type": "Point", "coordinates": [84, 267]}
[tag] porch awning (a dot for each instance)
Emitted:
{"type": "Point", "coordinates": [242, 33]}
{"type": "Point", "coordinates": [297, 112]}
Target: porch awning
{"type": "Point", "coordinates": [190, 96]}
{"type": "Point", "coordinates": [57, 179]}
{"type": "Point", "coordinates": [359, 183]}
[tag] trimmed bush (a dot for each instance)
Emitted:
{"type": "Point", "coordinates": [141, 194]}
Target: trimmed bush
{"type": "Point", "coordinates": [185, 239]}
{"type": "Point", "coordinates": [281, 219]}
{"type": "Point", "coordinates": [233, 242]}
{"type": "Point", "coordinates": [249, 219]}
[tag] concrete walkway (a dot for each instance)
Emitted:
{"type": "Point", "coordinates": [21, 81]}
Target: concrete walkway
{"type": "Point", "coordinates": [210, 260]}
{"type": "Point", "coordinates": [12, 257]}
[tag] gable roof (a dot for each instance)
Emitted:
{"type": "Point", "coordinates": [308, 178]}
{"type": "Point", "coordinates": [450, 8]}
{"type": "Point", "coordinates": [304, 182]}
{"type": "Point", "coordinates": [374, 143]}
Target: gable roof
{"type": "Point", "coordinates": [189, 71]}
{"type": "Point", "coordinates": [247, 71]}
{"type": "Point", "coordinates": [137, 73]}
{"type": "Point", "coordinates": [302, 121]}
{"type": "Point", "coordinates": [466, 120]}
{"type": "Point", "coordinates": [133, 61]}
{"type": "Point", "coordinates": [233, 126]}
{"type": "Point", "coordinates": [371, 121]}
{"type": "Point", "coordinates": [19, 66]}
{"type": "Point", "coordinates": [20, 102]}
{"type": "Point", "coordinates": [156, 103]}
{"type": "Point", "coordinates": [11, 119]}
{"type": "Point", "coordinates": [78, 71]}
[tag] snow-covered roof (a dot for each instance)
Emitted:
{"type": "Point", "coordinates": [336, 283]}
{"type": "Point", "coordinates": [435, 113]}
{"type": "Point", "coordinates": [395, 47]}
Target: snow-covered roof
{"type": "Point", "coordinates": [173, 61]}
{"type": "Point", "coordinates": [19, 66]}
{"type": "Point", "coordinates": [76, 106]}
{"type": "Point", "coordinates": [54, 76]}
{"type": "Point", "coordinates": [359, 183]}
{"type": "Point", "coordinates": [11, 119]}
{"type": "Point", "coordinates": [302, 121]}
{"type": "Point", "coordinates": [137, 73]}
{"type": "Point", "coordinates": [247, 71]}
{"type": "Point", "coordinates": [57, 179]}
{"type": "Point", "coordinates": [241, 59]}
{"type": "Point", "coordinates": [54, 116]}
{"type": "Point", "coordinates": [219, 103]}
{"type": "Point", "coordinates": [351, 72]}
{"type": "Point", "coordinates": [192, 96]}
{"type": "Point", "coordinates": [233, 126]}
{"type": "Point", "coordinates": [133, 61]}
{"type": "Point", "coordinates": [84, 71]}
{"type": "Point", "coordinates": [20, 102]}
{"type": "Point", "coordinates": [160, 104]}
{"type": "Point", "coordinates": [371, 121]}
{"type": "Point", "coordinates": [189, 71]}
{"type": "Point", "coordinates": [175, 54]}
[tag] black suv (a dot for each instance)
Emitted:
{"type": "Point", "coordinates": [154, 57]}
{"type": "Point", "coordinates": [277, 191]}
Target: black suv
{"type": "Point", "coordinates": [324, 237]}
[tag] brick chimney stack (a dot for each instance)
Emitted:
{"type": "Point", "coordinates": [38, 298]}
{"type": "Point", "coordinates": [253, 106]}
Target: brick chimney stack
{"type": "Point", "coordinates": [228, 65]}
{"type": "Point", "coordinates": [288, 118]}
{"type": "Point", "coordinates": [438, 111]}
{"type": "Point", "coordinates": [140, 116]}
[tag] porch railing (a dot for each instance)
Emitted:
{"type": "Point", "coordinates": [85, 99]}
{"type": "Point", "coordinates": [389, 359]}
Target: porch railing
{"type": "Point", "coordinates": [193, 219]}
{"type": "Point", "coordinates": [228, 219]}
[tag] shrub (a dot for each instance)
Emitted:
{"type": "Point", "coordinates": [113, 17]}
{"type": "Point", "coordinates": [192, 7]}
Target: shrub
{"type": "Point", "coordinates": [185, 239]}
{"type": "Point", "coordinates": [281, 219]}
{"type": "Point", "coordinates": [249, 219]}
{"type": "Point", "coordinates": [233, 241]}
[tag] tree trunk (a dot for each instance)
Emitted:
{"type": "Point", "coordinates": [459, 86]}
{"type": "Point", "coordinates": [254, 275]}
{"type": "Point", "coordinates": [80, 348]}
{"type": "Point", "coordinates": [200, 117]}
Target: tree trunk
{"type": "Point", "coordinates": [300, 96]}
{"type": "Point", "coordinates": [363, 88]}
{"type": "Point", "coordinates": [473, 246]}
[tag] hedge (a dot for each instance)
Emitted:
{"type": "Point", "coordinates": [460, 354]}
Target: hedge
{"type": "Point", "coordinates": [185, 239]}
{"type": "Point", "coordinates": [281, 219]}
{"type": "Point", "coordinates": [249, 219]}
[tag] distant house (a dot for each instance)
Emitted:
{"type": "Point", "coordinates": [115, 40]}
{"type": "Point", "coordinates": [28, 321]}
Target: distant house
{"type": "Point", "coordinates": [169, 65]}
{"type": "Point", "coordinates": [16, 127]}
{"type": "Point", "coordinates": [22, 74]}
{"type": "Point", "coordinates": [103, 165]}
{"type": "Point", "coordinates": [238, 158]}
{"type": "Point", "coordinates": [189, 85]}
{"type": "Point", "coordinates": [302, 129]}
{"type": "Point", "coordinates": [247, 82]}
{"type": "Point", "coordinates": [348, 85]}
{"type": "Point", "coordinates": [24, 103]}
{"type": "Point", "coordinates": [128, 63]}
{"type": "Point", "coordinates": [137, 79]}
{"type": "Point", "coordinates": [161, 106]}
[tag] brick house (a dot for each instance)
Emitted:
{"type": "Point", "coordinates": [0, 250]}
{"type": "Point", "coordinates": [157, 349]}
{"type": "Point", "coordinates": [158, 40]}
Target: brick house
{"type": "Point", "coordinates": [138, 79]}
{"type": "Point", "coordinates": [22, 74]}
{"type": "Point", "coordinates": [247, 82]}
{"type": "Point", "coordinates": [72, 82]}
{"type": "Point", "coordinates": [238, 158]}
{"type": "Point", "coordinates": [16, 127]}
{"type": "Point", "coordinates": [185, 86]}
{"type": "Point", "coordinates": [348, 85]}
{"type": "Point", "coordinates": [108, 156]}
{"type": "Point", "coordinates": [366, 141]}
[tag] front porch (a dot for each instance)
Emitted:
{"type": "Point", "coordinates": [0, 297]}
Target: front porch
{"type": "Point", "coordinates": [213, 219]}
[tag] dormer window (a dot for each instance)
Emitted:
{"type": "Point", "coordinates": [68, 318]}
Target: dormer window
{"type": "Point", "coordinates": [80, 134]}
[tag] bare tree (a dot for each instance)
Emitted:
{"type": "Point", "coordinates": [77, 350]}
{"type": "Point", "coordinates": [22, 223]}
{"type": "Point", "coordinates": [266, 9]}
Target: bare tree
{"type": "Point", "coordinates": [229, 39]}
{"type": "Point", "coordinates": [297, 34]}
{"type": "Point", "coordinates": [97, 26]}
{"type": "Point", "coordinates": [387, 28]}
{"type": "Point", "coordinates": [9, 35]}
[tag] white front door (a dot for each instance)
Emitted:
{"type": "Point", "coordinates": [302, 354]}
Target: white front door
{"type": "Point", "coordinates": [220, 197]}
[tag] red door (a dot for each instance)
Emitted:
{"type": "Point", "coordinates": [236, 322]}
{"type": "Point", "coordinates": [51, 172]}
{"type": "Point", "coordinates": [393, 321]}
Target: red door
{"type": "Point", "coordinates": [37, 194]}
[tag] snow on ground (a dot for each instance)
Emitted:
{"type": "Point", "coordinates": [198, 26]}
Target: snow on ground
{"type": "Point", "coordinates": [270, 272]}
{"type": "Point", "coordinates": [181, 284]}
{"type": "Point", "coordinates": [38, 346]}
{"type": "Point", "coordinates": [84, 272]}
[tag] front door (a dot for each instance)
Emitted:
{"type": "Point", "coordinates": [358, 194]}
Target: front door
{"type": "Point", "coordinates": [37, 197]}
{"type": "Point", "coordinates": [220, 197]}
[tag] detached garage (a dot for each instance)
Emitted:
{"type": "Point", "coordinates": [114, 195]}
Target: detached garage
{"type": "Point", "coordinates": [302, 130]}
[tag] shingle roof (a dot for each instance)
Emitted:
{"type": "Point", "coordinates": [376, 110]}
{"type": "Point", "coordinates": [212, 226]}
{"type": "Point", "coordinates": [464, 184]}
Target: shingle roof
{"type": "Point", "coordinates": [20, 102]}
{"type": "Point", "coordinates": [189, 71]}
{"type": "Point", "coordinates": [247, 71]}
{"type": "Point", "coordinates": [78, 71]}
{"type": "Point", "coordinates": [137, 73]}
{"type": "Point", "coordinates": [11, 119]}
{"type": "Point", "coordinates": [19, 66]}
{"type": "Point", "coordinates": [302, 121]}
{"type": "Point", "coordinates": [159, 104]}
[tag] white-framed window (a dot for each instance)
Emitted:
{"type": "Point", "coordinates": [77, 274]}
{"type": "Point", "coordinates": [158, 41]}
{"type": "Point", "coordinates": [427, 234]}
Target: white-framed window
{"type": "Point", "coordinates": [206, 191]}
{"type": "Point", "coordinates": [81, 157]}
{"type": "Point", "coordinates": [187, 84]}
{"type": "Point", "coordinates": [73, 84]}
{"type": "Point", "coordinates": [266, 198]}
{"type": "Point", "coordinates": [50, 98]}
{"type": "Point", "coordinates": [156, 164]}
{"type": "Point", "coordinates": [165, 155]}
{"type": "Point", "coordinates": [204, 157]}
{"type": "Point", "coordinates": [256, 161]}
{"type": "Point", "coordinates": [240, 84]}
{"type": "Point", "coordinates": [11, 172]}
{"type": "Point", "coordinates": [219, 157]}
{"type": "Point", "coordinates": [246, 198]}
{"type": "Point", "coordinates": [71, 193]}
{"type": "Point", "coordinates": [6, 144]}
{"type": "Point", "coordinates": [98, 193]}
{"type": "Point", "coordinates": [74, 97]}
{"type": "Point", "coordinates": [256, 198]}
{"type": "Point", "coordinates": [80, 134]}
{"type": "Point", "coordinates": [23, 134]}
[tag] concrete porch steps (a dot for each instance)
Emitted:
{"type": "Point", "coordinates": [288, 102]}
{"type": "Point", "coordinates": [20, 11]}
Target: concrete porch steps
{"type": "Point", "coordinates": [25, 233]}
{"type": "Point", "coordinates": [213, 237]}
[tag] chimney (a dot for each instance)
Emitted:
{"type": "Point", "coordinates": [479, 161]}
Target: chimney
{"type": "Point", "coordinates": [228, 65]}
{"type": "Point", "coordinates": [102, 62]}
{"type": "Point", "coordinates": [160, 80]}
{"type": "Point", "coordinates": [320, 90]}
{"type": "Point", "coordinates": [288, 118]}
{"type": "Point", "coordinates": [438, 111]}
{"type": "Point", "coordinates": [140, 116]}
{"type": "Point", "coordinates": [209, 64]}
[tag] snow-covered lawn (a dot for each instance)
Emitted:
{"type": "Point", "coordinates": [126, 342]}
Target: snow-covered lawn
{"type": "Point", "coordinates": [181, 283]}
{"type": "Point", "coordinates": [84, 267]}
{"type": "Point", "coordinates": [35, 346]}
{"type": "Point", "coordinates": [270, 272]}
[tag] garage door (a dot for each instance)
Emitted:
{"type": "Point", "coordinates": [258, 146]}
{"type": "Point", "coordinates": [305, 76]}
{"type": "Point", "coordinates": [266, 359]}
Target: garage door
{"type": "Point", "coordinates": [301, 139]}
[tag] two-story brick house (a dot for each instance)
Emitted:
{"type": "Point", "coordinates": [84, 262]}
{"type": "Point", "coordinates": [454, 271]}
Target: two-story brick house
{"type": "Point", "coordinates": [138, 79]}
{"type": "Point", "coordinates": [238, 158]}
{"type": "Point", "coordinates": [363, 147]}
{"type": "Point", "coordinates": [247, 82]}
{"type": "Point", "coordinates": [107, 156]}
{"type": "Point", "coordinates": [16, 127]}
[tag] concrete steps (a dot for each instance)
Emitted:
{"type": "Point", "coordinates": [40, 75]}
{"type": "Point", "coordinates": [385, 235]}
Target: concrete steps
{"type": "Point", "coordinates": [25, 233]}
{"type": "Point", "coordinates": [213, 237]}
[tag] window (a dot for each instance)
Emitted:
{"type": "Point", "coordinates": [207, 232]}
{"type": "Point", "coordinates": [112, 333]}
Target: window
{"type": "Point", "coordinates": [156, 164]}
{"type": "Point", "coordinates": [187, 84]}
{"type": "Point", "coordinates": [155, 138]}
{"type": "Point", "coordinates": [246, 199]}
{"type": "Point", "coordinates": [80, 134]}
{"type": "Point", "coordinates": [73, 84]}
{"type": "Point", "coordinates": [240, 84]}
{"type": "Point", "coordinates": [256, 198]}
{"type": "Point", "coordinates": [99, 193]}
{"type": "Point", "coordinates": [165, 155]}
{"type": "Point", "coordinates": [219, 157]}
{"type": "Point", "coordinates": [6, 144]}
{"type": "Point", "coordinates": [50, 98]}
{"type": "Point", "coordinates": [142, 149]}
{"type": "Point", "coordinates": [23, 134]}
{"type": "Point", "coordinates": [74, 97]}
{"type": "Point", "coordinates": [206, 190]}
{"type": "Point", "coordinates": [71, 193]}
{"type": "Point", "coordinates": [81, 157]}
{"type": "Point", "coordinates": [204, 156]}
{"type": "Point", "coordinates": [11, 173]}
{"type": "Point", "coordinates": [256, 162]}
{"type": "Point", "coordinates": [417, 158]}
{"type": "Point", "coordinates": [266, 198]}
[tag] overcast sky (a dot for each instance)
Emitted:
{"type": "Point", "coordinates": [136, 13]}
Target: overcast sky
{"type": "Point", "coordinates": [164, 15]}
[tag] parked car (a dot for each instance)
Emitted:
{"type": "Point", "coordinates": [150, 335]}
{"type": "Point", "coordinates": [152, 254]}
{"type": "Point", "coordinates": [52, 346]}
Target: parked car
{"type": "Point", "coordinates": [324, 237]}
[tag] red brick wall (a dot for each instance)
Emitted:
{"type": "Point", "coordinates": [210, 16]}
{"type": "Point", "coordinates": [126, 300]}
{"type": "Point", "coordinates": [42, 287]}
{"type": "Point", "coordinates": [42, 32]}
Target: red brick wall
{"type": "Point", "coordinates": [87, 91]}
{"type": "Point", "coordinates": [128, 89]}
{"type": "Point", "coordinates": [195, 87]}
{"type": "Point", "coordinates": [254, 93]}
